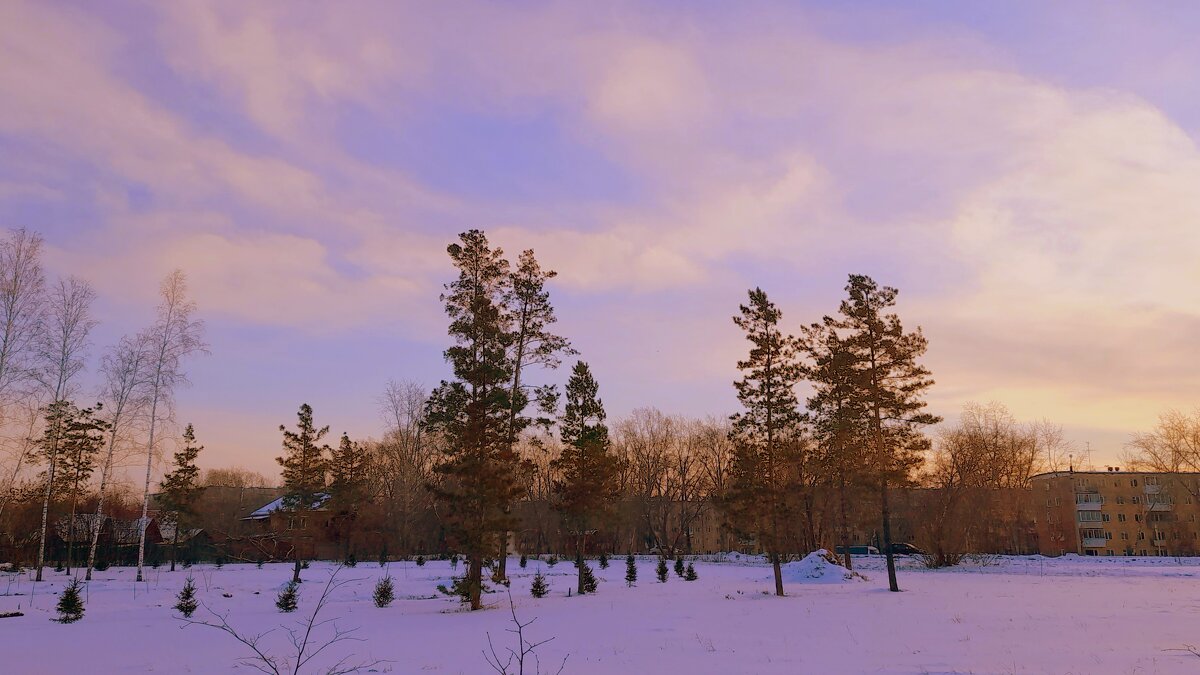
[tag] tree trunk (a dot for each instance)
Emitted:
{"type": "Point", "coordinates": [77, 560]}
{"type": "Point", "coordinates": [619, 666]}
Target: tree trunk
{"type": "Point", "coordinates": [845, 524]}
{"type": "Point", "coordinates": [41, 559]}
{"type": "Point", "coordinates": [175, 546]}
{"type": "Point", "coordinates": [778, 569]}
{"type": "Point", "coordinates": [475, 581]}
{"type": "Point", "coordinates": [99, 522]}
{"type": "Point", "coordinates": [893, 585]}
{"type": "Point", "coordinates": [145, 519]}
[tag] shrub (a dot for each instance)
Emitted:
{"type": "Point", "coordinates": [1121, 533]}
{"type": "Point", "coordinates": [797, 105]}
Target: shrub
{"type": "Point", "coordinates": [385, 592]}
{"type": "Point", "coordinates": [679, 569]}
{"type": "Point", "coordinates": [524, 561]}
{"type": "Point", "coordinates": [70, 605]}
{"type": "Point", "coordinates": [630, 570]}
{"type": "Point", "coordinates": [420, 561]}
{"type": "Point", "coordinates": [286, 601]}
{"type": "Point", "coordinates": [690, 574]}
{"type": "Point", "coordinates": [603, 560]}
{"type": "Point", "coordinates": [661, 571]}
{"type": "Point", "coordinates": [101, 565]}
{"type": "Point", "coordinates": [186, 600]}
{"type": "Point", "coordinates": [552, 560]}
{"type": "Point", "coordinates": [351, 560]}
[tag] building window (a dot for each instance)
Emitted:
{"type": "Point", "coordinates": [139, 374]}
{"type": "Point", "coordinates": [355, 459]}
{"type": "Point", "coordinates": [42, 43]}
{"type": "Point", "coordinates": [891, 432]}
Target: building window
{"type": "Point", "coordinates": [1120, 500]}
{"type": "Point", "coordinates": [1133, 483]}
{"type": "Point", "coordinates": [1120, 517]}
{"type": "Point", "coordinates": [1137, 500]}
{"type": "Point", "coordinates": [1125, 536]}
{"type": "Point", "coordinates": [1151, 480]}
{"type": "Point", "coordinates": [1141, 536]}
{"type": "Point", "coordinates": [1089, 516]}
{"type": "Point", "coordinates": [1137, 517]}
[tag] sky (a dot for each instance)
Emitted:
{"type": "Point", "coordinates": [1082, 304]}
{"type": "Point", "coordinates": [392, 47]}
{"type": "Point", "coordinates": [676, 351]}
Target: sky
{"type": "Point", "coordinates": [1026, 173]}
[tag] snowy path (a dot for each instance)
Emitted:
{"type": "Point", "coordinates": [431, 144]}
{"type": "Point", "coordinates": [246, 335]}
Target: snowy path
{"type": "Point", "coordinates": [1022, 615]}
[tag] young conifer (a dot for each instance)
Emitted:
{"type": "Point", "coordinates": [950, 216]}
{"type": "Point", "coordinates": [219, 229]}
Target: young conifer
{"type": "Point", "coordinates": [286, 601]}
{"type": "Point", "coordinates": [539, 589]}
{"type": "Point", "coordinates": [630, 570]}
{"type": "Point", "coordinates": [186, 600]}
{"type": "Point", "coordinates": [679, 567]}
{"type": "Point", "coordinates": [70, 605]}
{"type": "Point", "coordinates": [661, 571]}
{"type": "Point", "coordinates": [385, 592]}
{"type": "Point", "coordinates": [690, 574]}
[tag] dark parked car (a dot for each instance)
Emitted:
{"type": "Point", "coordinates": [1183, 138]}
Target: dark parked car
{"type": "Point", "coordinates": [860, 550]}
{"type": "Point", "coordinates": [900, 548]}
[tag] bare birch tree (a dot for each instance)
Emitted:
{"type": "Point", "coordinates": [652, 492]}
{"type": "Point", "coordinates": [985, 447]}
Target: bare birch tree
{"type": "Point", "coordinates": [124, 369]}
{"type": "Point", "coordinates": [175, 335]}
{"type": "Point", "coordinates": [22, 300]}
{"type": "Point", "coordinates": [61, 353]}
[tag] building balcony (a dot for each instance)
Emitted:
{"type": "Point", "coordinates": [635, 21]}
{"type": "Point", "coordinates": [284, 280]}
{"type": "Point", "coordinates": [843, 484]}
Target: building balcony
{"type": "Point", "coordinates": [1159, 543]}
{"type": "Point", "coordinates": [1088, 506]}
{"type": "Point", "coordinates": [1152, 489]}
{"type": "Point", "coordinates": [1159, 506]}
{"type": "Point", "coordinates": [1094, 542]}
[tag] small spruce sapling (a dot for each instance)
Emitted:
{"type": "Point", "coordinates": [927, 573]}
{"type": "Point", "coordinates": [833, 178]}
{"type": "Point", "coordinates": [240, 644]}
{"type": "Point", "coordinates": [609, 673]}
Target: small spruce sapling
{"type": "Point", "coordinates": [70, 605]}
{"type": "Point", "coordinates": [690, 574]}
{"type": "Point", "coordinates": [662, 570]}
{"type": "Point", "coordinates": [524, 561]}
{"type": "Point", "coordinates": [630, 570]}
{"type": "Point", "coordinates": [259, 563]}
{"type": "Point", "coordinates": [539, 589]}
{"type": "Point", "coordinates": [588, 579]}
{"type": "Point", "coordinates": [286, 600]}
{"type": "Point", "coordinates": [552, 560]}
{"type": "Point", "coordinates": [383, 557]}
{"type": "Point", "coordinates": [420, 561]}
{"type": "Point", "coordinates": [385, 592]}
{"type": "Point", "coordinates": [351, 560]}
{"type": "Point", "coordinates": [186, 600]}
{"type": "Point", "coordinates": [603, 560]}
{"type": "Point", "coordinates": [679, 569]}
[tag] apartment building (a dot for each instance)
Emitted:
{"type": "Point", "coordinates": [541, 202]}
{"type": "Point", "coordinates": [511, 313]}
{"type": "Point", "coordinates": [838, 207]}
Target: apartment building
{"type": "Point", "coordinates": [1114, 512]}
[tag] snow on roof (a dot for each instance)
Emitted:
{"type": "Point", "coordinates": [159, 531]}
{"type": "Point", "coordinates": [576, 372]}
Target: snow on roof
{"type": "Point", "coordinates": [277, 505]}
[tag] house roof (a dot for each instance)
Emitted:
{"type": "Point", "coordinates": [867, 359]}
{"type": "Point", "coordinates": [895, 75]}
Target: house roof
{"type": "Point", "coordinates": [265, 512]}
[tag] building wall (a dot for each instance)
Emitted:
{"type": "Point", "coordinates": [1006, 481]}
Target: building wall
{"type": "Point", "coordinates": [1117, 513]}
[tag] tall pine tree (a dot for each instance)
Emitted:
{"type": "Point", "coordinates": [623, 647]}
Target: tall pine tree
{"type": "Point", "coordinates": [889, 389]}
{"type": "Point", "coordinates": [836, 419]}
{"type": "Point", "coordinates": [531, 344]}
{"type": "Point", "coordinates": [588, 487]}
{"type": "Point", "coordinates": [180, 488]}
{"type": "Point", "coordinates": [767, 433]}
{"type": "Point", "coordinates": [348, 486]}
{"type": "Point", "coordinates": [305, 467]}
{"type": "Point", "coordinates": [471, 412]}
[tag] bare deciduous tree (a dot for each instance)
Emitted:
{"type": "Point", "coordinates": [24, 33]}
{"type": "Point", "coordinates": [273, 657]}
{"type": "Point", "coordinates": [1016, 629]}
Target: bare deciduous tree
{"type": "Point", "coordinates": [175, 335]}
{"type": "Point", "coordinates": [61, 351]}
{"type": "Point", "coordinates": [124, 370]}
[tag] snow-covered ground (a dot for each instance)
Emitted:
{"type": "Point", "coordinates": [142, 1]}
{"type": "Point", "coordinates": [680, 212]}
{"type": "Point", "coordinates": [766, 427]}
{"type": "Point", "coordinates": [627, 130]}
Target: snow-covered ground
{"type": "Point", "coordinates": [1013, 615]}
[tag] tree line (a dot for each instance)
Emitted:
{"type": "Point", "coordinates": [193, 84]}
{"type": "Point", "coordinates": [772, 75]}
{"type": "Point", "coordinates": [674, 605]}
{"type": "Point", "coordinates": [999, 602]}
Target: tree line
{"type": "Point", "coordinates": [45, 343]}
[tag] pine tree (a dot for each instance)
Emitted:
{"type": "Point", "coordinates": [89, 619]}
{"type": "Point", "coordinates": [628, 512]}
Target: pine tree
{"type": "Point", "coordinates": [766, 434]}
{"type": "Point", "coordinates": [630, 570]}
{"type": "Point", "coordinates": [180, 488]}
{"type": "Point", "coordinates": [530, 343]}
{"type": "Point", "coordinates": [539, 589]}
{"type": "Point", "coordinates": [385, 592]}
{"type": "Point", "coordinates": [690, 574]}
{"type": "Point", "coordinates": [588, 487]}
{"type": "Point", "coordinates": [524, 561]}
{"type": "Point", "coordinates": [588, 582]}
{"type": "Point", "coordinates": [286, 601]}
{"type": "Point", "coordinates": [420, 561]}
{"type": "Point", "coordinates": [889, 386]}
{"type": "Point", "coordinates": [661, 571]}
{"type": "Point", "coordinates": [836, 417]}
{"type": "Point", "coordinates": [603, 560]}
{"type": "Point", "coordinates": [186, 600]}
{"type": "Point", "coordinates": [349, 472]}
{"type": "Point", "coordinates": [82, 440]}
{"type": "Point", "coordinates": [70, 604]}
{"type": "Point", "coordinates": [305, 465]}
{"type": "Point", "coordinates": [679, 567]}
{"type": "Point", "coordinates": [471, 413]}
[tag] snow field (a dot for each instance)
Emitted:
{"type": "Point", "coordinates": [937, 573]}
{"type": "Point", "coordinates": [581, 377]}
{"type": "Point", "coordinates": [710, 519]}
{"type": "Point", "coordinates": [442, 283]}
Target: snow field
{"type": "Point", "coordinates": [1010, 615]}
